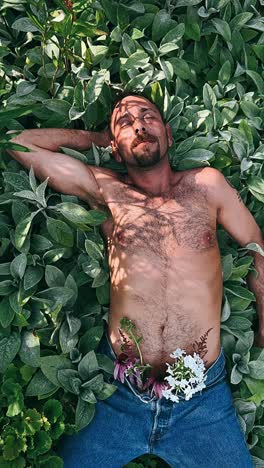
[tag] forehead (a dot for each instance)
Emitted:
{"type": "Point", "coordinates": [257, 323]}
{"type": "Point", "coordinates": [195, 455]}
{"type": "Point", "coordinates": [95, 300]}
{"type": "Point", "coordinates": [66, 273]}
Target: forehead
{"type": "Point", "coordinates": [133, 105]}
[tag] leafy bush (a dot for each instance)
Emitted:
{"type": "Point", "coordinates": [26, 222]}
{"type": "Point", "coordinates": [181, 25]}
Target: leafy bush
{"type": "Point", "coordinates": [62, 63]}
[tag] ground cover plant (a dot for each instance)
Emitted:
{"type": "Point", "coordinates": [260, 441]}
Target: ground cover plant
{"type": "Point", "coordinates": [62, 63]}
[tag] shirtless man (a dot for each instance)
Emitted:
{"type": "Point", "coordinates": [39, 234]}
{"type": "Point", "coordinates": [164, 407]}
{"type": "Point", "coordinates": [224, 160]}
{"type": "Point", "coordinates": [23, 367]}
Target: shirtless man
{"type": "Point", "coordinates": [166, 277]}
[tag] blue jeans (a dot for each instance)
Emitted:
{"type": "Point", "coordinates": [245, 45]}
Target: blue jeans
{"type": "Point", "coordinates": [203, 432]}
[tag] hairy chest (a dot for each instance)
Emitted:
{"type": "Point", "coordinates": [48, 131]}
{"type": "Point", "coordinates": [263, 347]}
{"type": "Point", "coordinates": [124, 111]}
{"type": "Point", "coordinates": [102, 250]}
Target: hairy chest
{"type": "Point", "coordinates": [159, 225]}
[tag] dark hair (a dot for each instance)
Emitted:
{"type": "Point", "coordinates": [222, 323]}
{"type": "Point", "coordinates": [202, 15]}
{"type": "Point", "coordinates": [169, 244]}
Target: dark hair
{"type": "Point", "coordinates": [121, 94]}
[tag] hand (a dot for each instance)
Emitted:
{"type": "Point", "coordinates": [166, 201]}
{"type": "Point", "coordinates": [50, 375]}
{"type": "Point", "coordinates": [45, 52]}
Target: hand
{"type": "Point", "coordinates": [259, 339]}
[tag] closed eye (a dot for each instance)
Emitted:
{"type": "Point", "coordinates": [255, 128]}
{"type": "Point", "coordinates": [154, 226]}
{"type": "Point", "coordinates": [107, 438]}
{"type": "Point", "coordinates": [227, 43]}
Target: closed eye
{"type": "Point", "coordinates": [124, 123]}
{"type": "Point", "coordinates": [149, 116]}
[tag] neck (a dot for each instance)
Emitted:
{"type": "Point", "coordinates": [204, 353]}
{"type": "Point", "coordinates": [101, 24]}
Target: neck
{"type": "Point", "coordinates": [154, 180]}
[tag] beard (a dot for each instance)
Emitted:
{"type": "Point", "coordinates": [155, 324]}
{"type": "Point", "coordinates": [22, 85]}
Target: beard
{"type": "Point", "coordinates": [147, 154]}
{"type": "Point", "coordinates": [145, 150]}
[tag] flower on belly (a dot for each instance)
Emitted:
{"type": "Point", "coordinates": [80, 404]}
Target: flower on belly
{"type": "Point", "coordinates": [186, 374]}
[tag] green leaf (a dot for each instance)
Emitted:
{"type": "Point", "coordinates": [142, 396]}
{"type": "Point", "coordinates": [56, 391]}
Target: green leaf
{"type": "Point", "coordinates": [100, 279]}
{"type": "Point", "coordinates": [183, 3]}
{"type": "Point", "coordinates": [88, 365]}
{"type": "Point", "coordinates": [88, 395]}
{"type": "Point", "coordinates": [209, 97]}
{"type": "Point", "coordinates": [52, 410]}
{"type": "Point", "coordinates": [68, 340]}
{"type": "Point", "coordinates": [22, 230]}
{"type": "Point", "coordinates": [241, 292]}
{"type": "Point", "coordinates": [162, 22]}
{"type": "Point", "coordinates": [19, 211]}
{"type": "Point", "coordinates": [6, 312]}
{"type": "Point", "coordinates": [18, 266]}
{"type": "Point", "coordinates": [69, 380]}
{"type": "Point", "coordinates": [9, 347]}
{"type": "Point", "coordinates": [50, 365]}
{"type": "Point", "coordinates": [181, 68]}
{"type": "Point", "coordinates": [40, 243]}
{"type": "Point", "coordinates": [18, 180]}
{"type": "Point", "coordinates": [255, 386]}
{"type": "Point", "coordinates": [128, 44]}
{"type": "Point", "coordinates": [105, 363]}
{"type": "Point", "coordinates": [6, 287]}
{"type": "Point", "coordinates": [60, 232]}
{"type": "Point", "coordinates": [106, 392]}
{"type": "Point", "coordinates": [97, 52]}
{"type": "Point", "coordinates": [84, 414]}
{"type": "Point", "coordinates": [240, 20]}
{"type": "Point", "coordinates": [25, 25]}
{"type": "Point", "coordinates": [225, 73]}
{"type": "Point", "coordinates": [95, 86]}
{"type": "Point", "coordinates": [255, 247]}
{"type": "Point", "coordinates": [174, 35]}
{"type": "Point", "coordinates": [227, 265]}
{"type": "Point", "coordinates": [95, 384]}
{"type": "Point", "coordinates": [40, 193]}
{"type": "Point", "coordinates": [136, 60]}
{"type": "Point", "coordinates": [29, 352]}
{"type": "Point", "coordinates": [93, 249]}
{"type": "Point", "coordinates": [91, 339]}
{"type": "Point", "coordinates": [32, 179]}
{"type": "Point", "coordinates": [257, 79]}
{"type": "Point", "coordinates": [5, 269]}
{"type": "Point", "coordinates": [259, 51]}
{"type": "Point", "coordinates": [32, 276]}
{"type": "Point", "coordinates": [139, 82]}
{"type": "Point", "coordinates": [58, 106]}
{"type": "Point", "coordinates": [222, 28]}
{"type": "Point", "coordinates": [256, 187]}
{"type": "Point", "coordinates": [79, 215]}
{"type": "Point", "coordinates": [256, 369]}
{"type": "Point", "coordinates": [74, 154]}
{"type": "Point", "coordinates": [226, 311]}
{"type": "Point", "coordinates": [54, 255]}
{"type": "Point", "coordinates": [54, 297]}
{"type": "Point", "coordinates": [54, 276]}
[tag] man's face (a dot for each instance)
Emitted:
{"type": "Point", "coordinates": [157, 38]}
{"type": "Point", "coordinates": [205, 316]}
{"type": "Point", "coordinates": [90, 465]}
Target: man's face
{"type": "Point", "coordinates": [140, 138]}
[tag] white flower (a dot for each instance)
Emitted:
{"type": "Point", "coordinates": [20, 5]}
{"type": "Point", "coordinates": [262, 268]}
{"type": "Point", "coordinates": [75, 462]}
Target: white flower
{"type": "Point", "coordinates": [170, 396]}
{"type": "Point", "coordinates": [193, 367]}
{"type": "Point", "coordinates": [177, 353]}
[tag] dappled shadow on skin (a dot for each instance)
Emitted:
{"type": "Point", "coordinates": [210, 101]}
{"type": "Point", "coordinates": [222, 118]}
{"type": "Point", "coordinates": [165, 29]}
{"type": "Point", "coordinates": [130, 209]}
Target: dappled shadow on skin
{"type": "Point", "coordinates": [157, 249]}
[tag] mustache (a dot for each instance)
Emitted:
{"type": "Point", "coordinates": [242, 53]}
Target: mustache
{"type": "Point", "coordinates": [142, 138]}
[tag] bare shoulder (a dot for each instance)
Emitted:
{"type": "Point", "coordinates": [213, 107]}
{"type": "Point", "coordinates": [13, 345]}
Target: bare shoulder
{"type": "Point", "coordinates": [202, 177]}
{"type": "Point", "coordinates": [210, 179]}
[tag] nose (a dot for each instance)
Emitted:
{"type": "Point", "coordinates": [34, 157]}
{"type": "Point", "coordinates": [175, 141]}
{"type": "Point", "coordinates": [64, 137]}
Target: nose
{"type": "Point", "coordinates": [139, 129]}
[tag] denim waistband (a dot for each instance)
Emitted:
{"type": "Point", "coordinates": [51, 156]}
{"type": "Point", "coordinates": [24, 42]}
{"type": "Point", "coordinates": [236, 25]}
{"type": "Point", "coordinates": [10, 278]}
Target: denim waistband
{"type": "Point", "coordinates": [214, 373]}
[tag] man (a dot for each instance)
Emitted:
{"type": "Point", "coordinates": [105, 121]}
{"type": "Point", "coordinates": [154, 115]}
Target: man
{"type": "Point", "coordinates": [165, 276]}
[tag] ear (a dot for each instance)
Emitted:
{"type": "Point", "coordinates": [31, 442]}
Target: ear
{"type": "Point", "coordinates": [169, 134]}
{"type": "Point", "coordinates": [115, 153]}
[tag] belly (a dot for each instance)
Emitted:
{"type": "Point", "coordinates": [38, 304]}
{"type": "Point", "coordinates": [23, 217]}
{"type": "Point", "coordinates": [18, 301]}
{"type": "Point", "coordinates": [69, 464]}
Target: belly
{"type": "Point", "coordinates": [173, 303]}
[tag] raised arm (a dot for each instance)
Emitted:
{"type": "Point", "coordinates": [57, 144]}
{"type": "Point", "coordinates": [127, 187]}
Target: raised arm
{"type": "Point", "coordinates": [66, 174]}
{"type": "Point", "coordinates": [241, 225]}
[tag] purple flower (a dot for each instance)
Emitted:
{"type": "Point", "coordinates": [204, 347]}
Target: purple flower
{"type": "Point", "coordinates": [122, 363]}
{"type": "Point", "coordinates": [136, 379]}
{"type": "Point", "coordinates": [157, 386]}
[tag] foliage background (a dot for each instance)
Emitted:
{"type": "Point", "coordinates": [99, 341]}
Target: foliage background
{"type": "Point", "coordinates": [62, 63]}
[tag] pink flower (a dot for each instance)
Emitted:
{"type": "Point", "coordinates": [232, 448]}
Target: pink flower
{"type": "Point", "coordinates": [122, 363]}
{"type": "Point", "coordinates": [136, 379]}
{"type": "Point", "coordinates": [157, 386]}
